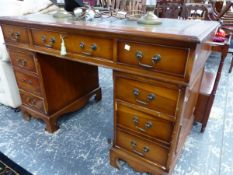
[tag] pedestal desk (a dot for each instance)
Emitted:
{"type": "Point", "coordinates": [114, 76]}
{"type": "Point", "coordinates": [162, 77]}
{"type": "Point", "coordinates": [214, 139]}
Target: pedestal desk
{"type": "Point", "coordinates": [157, 73]}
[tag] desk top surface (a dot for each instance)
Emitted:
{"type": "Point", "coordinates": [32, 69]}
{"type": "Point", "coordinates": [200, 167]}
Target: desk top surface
{"type": "Point", "coordinates": [184, 30]}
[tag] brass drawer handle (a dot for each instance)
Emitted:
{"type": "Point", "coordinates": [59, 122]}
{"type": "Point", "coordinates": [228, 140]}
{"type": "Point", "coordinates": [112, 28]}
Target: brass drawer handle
{"type": "Point", "coordinates": [147, 126]}
{"type": "Point", "coordinates": [15, 36]}
{"type": "Point", "coordinates": [82, 45]}
{"type": "Point", "coordinates": [87, 53]}
{"type": "Point", "coordinates": [27, 81]}
{"type": "Point", "coordinates": [145, 149]}
{"type": "Point", "coordinates": [150, 97]}
{"type": "Point", "coordinates": [21, 62]}
{"type": "Point", "coordinates": [52, 41]}
{"type": "Point", "coordinates": [155, 59]}
{"type": "Point", "coordinates": [93, 48]}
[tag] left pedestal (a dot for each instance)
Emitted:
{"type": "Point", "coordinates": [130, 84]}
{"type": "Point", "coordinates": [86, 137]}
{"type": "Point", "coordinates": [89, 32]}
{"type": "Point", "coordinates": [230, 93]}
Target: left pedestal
{"type": "Point", "coordinates": [50, 87]}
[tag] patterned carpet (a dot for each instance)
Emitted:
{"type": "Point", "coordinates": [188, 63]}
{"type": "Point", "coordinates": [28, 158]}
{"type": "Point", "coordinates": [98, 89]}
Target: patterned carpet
{"type": "Point", "coordinates": [81, 145]}
{"type": "Point", "coordinates": [8, 167]}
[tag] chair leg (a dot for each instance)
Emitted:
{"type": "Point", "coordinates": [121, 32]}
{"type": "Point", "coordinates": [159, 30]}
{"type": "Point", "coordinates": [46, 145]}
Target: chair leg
{"type": "Point", "coordinates": [231, 64]}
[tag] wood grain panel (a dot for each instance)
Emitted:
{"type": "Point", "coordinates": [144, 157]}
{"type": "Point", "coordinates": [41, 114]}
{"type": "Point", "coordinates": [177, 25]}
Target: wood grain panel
{"type": "Point", "coordinates": [65, 81]}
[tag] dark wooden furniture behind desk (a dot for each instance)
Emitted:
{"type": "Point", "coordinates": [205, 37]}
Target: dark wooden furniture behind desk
{"type": "Point", "coordinates": [157, 72]}
{"type": "Point", "coordinates": [209, 86]}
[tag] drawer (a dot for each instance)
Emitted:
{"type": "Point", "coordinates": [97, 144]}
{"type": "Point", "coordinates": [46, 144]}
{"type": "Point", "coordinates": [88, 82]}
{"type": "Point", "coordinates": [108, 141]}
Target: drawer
{"type": "Point", "coordinates": [145, 124]}
{"type": "Point", "coordinates": [15, 34]}
{"type": "Point", "coordinates": [32, 101]}
{"type": "Point", "coordinates": [91, 46]}
{"type": "Point", "coordinates": [23, 60]}
{"type": "Point", "coordinates": [84, 45]}
{"type": "Point", "coordinates": [157, 97]}
{"type": "Point", "coordinates": [158, 58]}
{"type": "Point", "coordinates": [142, 148]}
{"type": "Point", "coordinates": [28, 83]}
{"type": "Point", "coordinates": [46, 39]}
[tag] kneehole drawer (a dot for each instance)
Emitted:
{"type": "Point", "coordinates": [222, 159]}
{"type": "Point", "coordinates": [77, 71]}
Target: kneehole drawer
{"type": "Point", "coordinates": [145, 124]}
{"type": "Point", "coordinates": [32, 101]}
{"type": "Point", "coordinates": [156, 97]}
{"type": "Point", "coordinates": [142, 148]}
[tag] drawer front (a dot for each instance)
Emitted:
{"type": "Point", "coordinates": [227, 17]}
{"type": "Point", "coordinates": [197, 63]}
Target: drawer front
{"type": "Point", "coordinates": [32, 101]}
{"type": "Point", "coordinates": [153, 57]}
{"type": "Point", "coordinates": [143, 148]}
{"type": "Point", "coordinates": [45, 39]}
{"type": "Point", "coordinates": [91, 46]}
{"type": "Point", "coordinates": [146, 124]}
{"type": "Point", "coordinates": [15, 34]}
{"type": "Point", "coordinates": [155, 97]}
{"type": "Point", "coordinates": [28, 83]}
{"type": "Point", "coordinates": [23, 60]}
{"type": "Point", "coordinates": [84, 45]}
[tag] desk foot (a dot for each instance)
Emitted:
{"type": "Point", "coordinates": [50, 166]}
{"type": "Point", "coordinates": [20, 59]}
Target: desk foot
{"type": "Point", "coordinates": [114, 161]}
{"type": "Point", "coordinates": [98, 95]}
{"type": "Point", "coordinates": [26, 116]}
{"type": "Point", "coordinates": [202, 129]}
{"type": "Point", "coordinates": [231, 66]}
{"type": "Point", "coordinates": [51, 125]}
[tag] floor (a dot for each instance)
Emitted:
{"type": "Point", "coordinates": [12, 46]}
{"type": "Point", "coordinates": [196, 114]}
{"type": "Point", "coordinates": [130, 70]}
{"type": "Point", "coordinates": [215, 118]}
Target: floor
{"type": "Point", "coordinates": [81, 145]}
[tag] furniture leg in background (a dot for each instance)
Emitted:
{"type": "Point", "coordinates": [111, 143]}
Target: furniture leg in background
{"type": "Point", "coordinates": [209, 87]}
{"type": "Point", "coordinates": [231, 52]}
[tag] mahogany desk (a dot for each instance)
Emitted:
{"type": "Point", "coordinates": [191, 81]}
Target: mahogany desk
{"type": "Point", "coordinates": [157, 73]}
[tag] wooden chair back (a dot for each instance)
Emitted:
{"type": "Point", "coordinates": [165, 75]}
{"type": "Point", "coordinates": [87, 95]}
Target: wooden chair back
{"type": "Point", "coordinates": [226, 16]}
{"type": "Point", "coordinates": [169, 8]}
{"type": "Point", "coordinates": [197, 11]}
{"type": "Point", "coordinates": [123, 5]}
{"type": "Point", "coordinates": [170, 1]}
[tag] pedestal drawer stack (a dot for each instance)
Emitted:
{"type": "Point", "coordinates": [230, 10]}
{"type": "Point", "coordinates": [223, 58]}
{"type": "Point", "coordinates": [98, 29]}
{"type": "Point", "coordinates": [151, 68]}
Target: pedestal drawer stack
{"type": "Point", "coordinates": [148, 121]}
{"type": "Point", "coordinates": [145, 115]}
{"type": "Point", "coordinates": [28, 79]}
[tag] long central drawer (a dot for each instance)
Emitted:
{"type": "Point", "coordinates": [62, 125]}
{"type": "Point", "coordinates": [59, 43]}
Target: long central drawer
{"type": "Point", "coordinates": [79, 44]}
